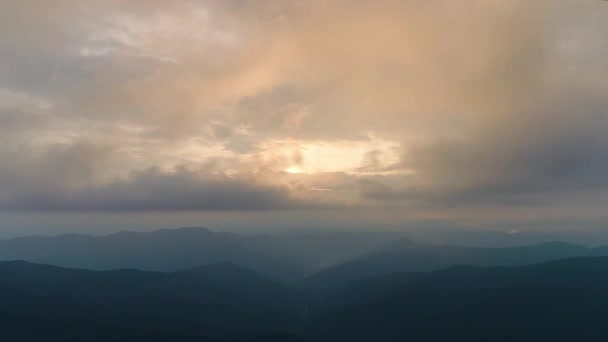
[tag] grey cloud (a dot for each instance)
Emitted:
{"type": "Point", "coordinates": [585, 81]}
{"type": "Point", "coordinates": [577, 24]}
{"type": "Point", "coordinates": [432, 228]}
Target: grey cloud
{"type": "Point", "coordinates": [371, 161]}
{"type": "Point", "coordinates": [72, 177]}
{"type": "Point", "coordinates": [530, 159]}
{"type": "Point", "coordinates": [492, 100]}
{"type": "Point", "coordinates": [532, 131]}
{"type": "Point", "coordinates": [26, 171]}
{"type": "Point", "coordinates": [241, 143]}
{"type": "Point", "coordinates": [156, 190]}
{"type": "Point", "coordinates": [18, 122]}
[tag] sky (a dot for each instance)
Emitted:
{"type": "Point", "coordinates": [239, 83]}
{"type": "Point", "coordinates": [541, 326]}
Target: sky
{"type": "Point", "coordinates": [136, 114]}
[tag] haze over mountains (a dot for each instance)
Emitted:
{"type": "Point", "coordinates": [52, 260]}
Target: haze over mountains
{"type": "Point", "coordinates": [320, 256]}
{"type": "Point", "coordinates": [407, 256]}
{"type": "Point", "coordinates": [561, 300]}
{"type": "Point", "coordinates": [454, 155]}
{"type": "Point", "coordinates": [192, 284]}
{"type": "Point", "coordinates": [287, 256]}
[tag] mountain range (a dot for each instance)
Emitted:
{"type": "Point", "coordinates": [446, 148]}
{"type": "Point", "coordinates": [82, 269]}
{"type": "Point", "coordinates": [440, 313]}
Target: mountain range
{"type": "Point", "coordinates": [287, 256]}
{"type": "Point", "coordinates": [216, 300]}
{"type": "Point", "coordinates": [565, 300]}
{"type": "Point", "coordinates": [407, 256]}
{"type": "Point", "coordinates": [192, 284]}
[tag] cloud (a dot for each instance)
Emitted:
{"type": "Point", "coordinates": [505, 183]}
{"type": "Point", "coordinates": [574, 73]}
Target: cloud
{"type": "Point", "coordinates": [51, 170]}
{"type": "Point", "coordinates": [65, 182]}
{"type": "Point", "coordinates": [79, 177]}
{"type": "Point", "coordinates": [153, 190]}
{"type": "Point", "coordinates": [202, 105]}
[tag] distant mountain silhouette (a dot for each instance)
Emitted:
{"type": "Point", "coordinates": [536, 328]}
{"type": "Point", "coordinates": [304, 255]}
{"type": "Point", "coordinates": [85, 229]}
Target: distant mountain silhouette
{"type": "Point", "coordinates": [316, 249]}
{"type": "Point", "coordinates": [407, 256]}
{"type": "Point", "coordinates": [162, 250]}
{"type": "Point", "coordinates": [210, 300]}
{"type": "Point", "coordinates": [565, 300]}
{"type": "Point", "coordinates": [288, 256]}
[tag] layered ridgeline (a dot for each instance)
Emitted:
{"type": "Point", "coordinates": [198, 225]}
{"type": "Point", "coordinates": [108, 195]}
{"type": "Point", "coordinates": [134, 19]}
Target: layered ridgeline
{"type": "Point", "coordinates": [287, 256]}
{"type": "Point", "coordinates": [407, 256]}
{"type": "Point", "coordinates": [564, 300]}
{"type": "Point", "coordinates": [324, 258]}
{"type": "Point", "coordinates": [218, 302]}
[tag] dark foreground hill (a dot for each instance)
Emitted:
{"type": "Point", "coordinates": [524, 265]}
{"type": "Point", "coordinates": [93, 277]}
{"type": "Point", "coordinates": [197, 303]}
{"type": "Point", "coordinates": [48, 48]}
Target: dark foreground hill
{"type": "Point", "coordinates": [563, 300]}
{"type": "Point", "coordinates": [24, 328]}
{"type": "Point", "coordinates": [39, 302]}
{"type": "Point", "coordinates": [407, 256]}
{"type": "Point", "coordinates": [559, 301]}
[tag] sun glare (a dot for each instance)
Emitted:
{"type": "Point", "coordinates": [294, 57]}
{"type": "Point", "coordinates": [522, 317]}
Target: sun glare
{"type": "Point", "coordinates": [293, 169]}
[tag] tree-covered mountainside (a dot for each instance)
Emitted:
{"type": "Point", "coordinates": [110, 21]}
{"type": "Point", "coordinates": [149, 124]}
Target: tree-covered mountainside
{"type": "Point", "coordinates": [211, 300]}
{"type": "Point", "coordinates": [565, 300]}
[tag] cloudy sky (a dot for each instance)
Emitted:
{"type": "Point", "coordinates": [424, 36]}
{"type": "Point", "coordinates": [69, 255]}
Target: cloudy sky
{"type": "Point", "coordinates": [130, 113]}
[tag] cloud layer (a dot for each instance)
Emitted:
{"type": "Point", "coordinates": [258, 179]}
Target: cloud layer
{"type": "Point", "coordinates": [233, 105]}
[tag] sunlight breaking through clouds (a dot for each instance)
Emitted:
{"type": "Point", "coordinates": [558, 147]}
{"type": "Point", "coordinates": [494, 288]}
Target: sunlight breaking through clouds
{"type": "Point", "coordinates": [422, 107]}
